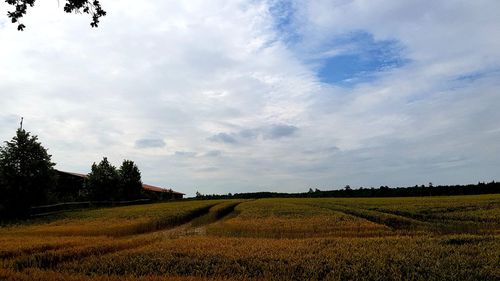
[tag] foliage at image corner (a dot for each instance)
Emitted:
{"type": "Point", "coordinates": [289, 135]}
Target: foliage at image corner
{"type": "Point", "coordinates": [91, 7]}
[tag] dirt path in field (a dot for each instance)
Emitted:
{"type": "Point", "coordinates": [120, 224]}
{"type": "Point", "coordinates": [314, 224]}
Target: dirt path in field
{"type": "Point", "coordinates": [198, 225]}
{"type": "Point", "coordinates": [179, 231]}
{"type": "Point", "coordinates": [187, 229]}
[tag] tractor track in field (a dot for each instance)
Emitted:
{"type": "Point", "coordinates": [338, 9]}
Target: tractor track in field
{"type": "Point", "coordinates": [393, 221]}
{"type": "Point", "coordinates": [406, 222]}
{"type": "Point", "coordinates": [197, 226]}
{"type": "Point", "coordinates": [51, 259]}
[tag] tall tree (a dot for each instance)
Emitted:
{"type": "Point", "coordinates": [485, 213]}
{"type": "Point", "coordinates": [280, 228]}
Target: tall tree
{"type": "Point", "coordinates": [26, 174]}
{"type": "Point", "coordinates": [130, 179]}
{"type": "Point", "coordinates": [103, 181]}
{"type": "Point", "coordinates": [91, 7]}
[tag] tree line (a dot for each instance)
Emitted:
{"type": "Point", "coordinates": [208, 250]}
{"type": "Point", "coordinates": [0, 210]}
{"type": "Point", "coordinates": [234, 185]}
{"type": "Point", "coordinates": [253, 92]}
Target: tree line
{"type": "Point", "coordinates": [383, 191]}
{"type": "Point", "coordinates": [28, 178]}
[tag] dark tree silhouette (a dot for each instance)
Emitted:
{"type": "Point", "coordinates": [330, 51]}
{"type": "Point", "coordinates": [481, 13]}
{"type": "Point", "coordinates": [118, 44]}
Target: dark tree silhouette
{"type": "Point", "coordinates": [26, 174]}
{"type": "Point", "coordinates": [91, 7]}
{"type": "Point", "coordinates": [130, 180]}
{"type": "Point", "coordinates": [103, 181]}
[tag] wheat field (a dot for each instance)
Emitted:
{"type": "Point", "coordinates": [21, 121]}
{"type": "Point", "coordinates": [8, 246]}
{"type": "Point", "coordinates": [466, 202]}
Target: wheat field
{"type": "Point", "coordinates": [414, 238]}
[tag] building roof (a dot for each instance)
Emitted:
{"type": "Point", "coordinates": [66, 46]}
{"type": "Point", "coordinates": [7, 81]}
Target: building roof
{"type": "Point", "coordinates": [144, 186]}
{"type": "Point", "coordinates": [159, 189]}
{"type": "Point", "coordinates": [74, 174]}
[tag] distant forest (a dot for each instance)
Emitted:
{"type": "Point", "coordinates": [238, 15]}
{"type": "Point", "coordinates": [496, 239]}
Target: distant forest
{"type": "Point", "coordinates": [382, 191]}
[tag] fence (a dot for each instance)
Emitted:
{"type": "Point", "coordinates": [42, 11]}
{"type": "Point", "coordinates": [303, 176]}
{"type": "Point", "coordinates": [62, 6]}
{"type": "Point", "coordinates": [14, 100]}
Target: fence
{"type": "Point", "coordinates": [60, 207]}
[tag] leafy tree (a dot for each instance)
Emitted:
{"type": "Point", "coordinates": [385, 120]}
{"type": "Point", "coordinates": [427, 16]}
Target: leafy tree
{"type": "Point", "coordinates": [130, 180]}
{"type": "Point", "coordinates": [26, 174]}
{"type": "Point", "coordinates": [103, 181]}
{"type": "Point", "coordinates": [91, 7]}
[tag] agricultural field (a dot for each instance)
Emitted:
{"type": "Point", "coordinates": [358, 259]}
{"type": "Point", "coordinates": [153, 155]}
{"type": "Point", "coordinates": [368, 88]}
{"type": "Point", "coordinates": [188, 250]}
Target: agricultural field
{"type": "Point", "coordinates": [432, 238]}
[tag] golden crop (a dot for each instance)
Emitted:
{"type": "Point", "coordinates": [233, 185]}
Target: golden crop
{"type": "Point", "coordinates": [436, 238]}
{"type": "Point", "coordinates": [119, 221]}
{"type": "Point", "coordinates": [285, 219]}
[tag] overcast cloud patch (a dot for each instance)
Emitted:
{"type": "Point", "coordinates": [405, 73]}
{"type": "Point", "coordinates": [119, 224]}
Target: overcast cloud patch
{"type": "Point", "coordinates": [213, 153]}
{"type": "Point", "coordinates": [279, 83]}
{"type": "Point", "coordinates": [319, 150]}
{"type": "Point", "coordinates": [223, 138]}
{"type": "Point", "coordinates": [279, 131]}
{"type": "Point", "coordinates": [271, 132]}
{"type": "Point", "coordinates": [150, 143]}
{"type": "Point", "coordinates": [207, 169]}
{"type": "Point", "coordinates": [185, 153]}
{"type": "Point", "coordinates": [249, 133]}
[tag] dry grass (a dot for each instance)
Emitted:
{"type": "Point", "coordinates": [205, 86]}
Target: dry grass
{"type": "Point", "coordinates": [119, 221]}
{"type": "Point", "coordinates": [478, 214]}
{"type": "Point", "coordinates": [462, 257]}
{"type": "Point", "coordinates": [268, 239]}
{"type": "Point", "coordinates": [44, 275]}
{"type": "Point", "coordinates": [288, 218]}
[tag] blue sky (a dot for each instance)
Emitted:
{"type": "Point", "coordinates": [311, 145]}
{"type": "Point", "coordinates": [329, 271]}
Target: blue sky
{"type": "Point", "coordinates": [346, 59]}
{"type": "Point", "coordinates": [234, 96]}
{"type": "Point", "coordinates": [360, 61]}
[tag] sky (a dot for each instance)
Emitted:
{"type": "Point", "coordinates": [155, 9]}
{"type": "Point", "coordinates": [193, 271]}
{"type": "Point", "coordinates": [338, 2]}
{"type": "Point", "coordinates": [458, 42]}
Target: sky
{"type": "Point", "coordinates": [261, 95]}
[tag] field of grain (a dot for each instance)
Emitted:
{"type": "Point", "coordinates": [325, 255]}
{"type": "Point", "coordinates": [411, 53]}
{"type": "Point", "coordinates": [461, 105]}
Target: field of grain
{"type": "Point", "coordinates": [433, 238]}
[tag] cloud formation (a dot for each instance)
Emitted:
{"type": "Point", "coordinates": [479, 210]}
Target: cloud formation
{"type": "Point", "coordinates": [149, 143]}
{"type": "Point", "coordinates": [223, 137]}
{"type": "Point", "coordinates": [232, 96]}
{"type": "Point", "coordinates": [279, 131]}
{"type": "Point", "coordinates": [243, 136]}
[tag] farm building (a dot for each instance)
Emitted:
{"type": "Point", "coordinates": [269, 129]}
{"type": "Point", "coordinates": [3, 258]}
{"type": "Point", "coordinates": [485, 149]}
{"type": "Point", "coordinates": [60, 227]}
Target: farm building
{"type": "Point", "coordinates": [162, 193]}
{"type": "Point", "coordinates": [70, 188]}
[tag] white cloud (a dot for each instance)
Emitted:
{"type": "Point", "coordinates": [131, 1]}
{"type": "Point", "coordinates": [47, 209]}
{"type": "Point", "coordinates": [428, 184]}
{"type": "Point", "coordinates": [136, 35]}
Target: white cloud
{"type": "Point", "coordinates": [175, 75]}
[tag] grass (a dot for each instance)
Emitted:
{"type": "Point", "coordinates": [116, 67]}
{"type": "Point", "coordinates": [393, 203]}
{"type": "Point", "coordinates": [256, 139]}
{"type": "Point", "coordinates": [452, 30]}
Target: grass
{"type": "Point", "coordinates": [437, 238]}
{"type": "Point", "coordinates": [290, 218]}
{"type": "Point", "coordinates": [397, 258]}
{"type": "Point", "coordinates": [119, 221]}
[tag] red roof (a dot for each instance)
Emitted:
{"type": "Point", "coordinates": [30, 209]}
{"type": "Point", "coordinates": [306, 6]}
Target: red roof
{"type": "Point", "coordinates": [159, 189]}
{"type": "Point", "coordinates": [145, 186]}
